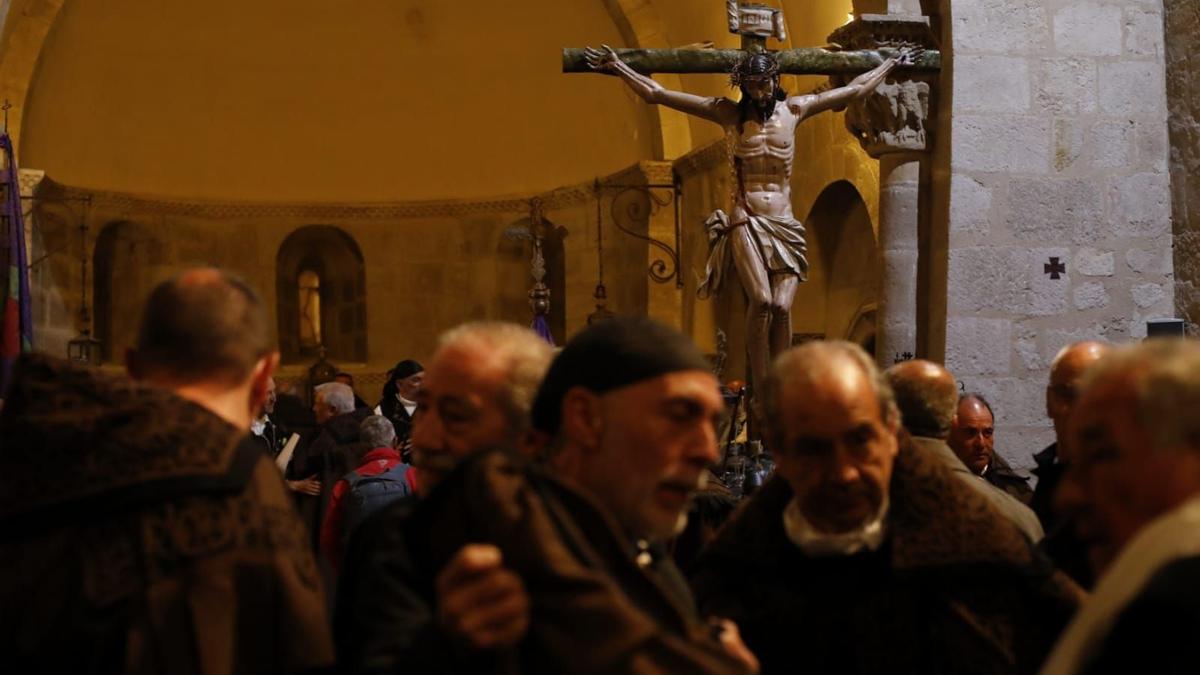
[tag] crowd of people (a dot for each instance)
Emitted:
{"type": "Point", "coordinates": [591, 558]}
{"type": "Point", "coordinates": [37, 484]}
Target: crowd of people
{"type": "Point", "coordinates": [513, 508]}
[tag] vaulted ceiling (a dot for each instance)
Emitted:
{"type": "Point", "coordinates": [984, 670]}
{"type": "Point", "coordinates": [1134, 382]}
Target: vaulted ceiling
{"type": "Point", "coordinates": [378, 100]}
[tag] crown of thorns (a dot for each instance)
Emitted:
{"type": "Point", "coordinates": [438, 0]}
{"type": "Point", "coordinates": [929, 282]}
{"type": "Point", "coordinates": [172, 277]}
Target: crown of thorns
{"type": "Point", "coordinates": [762, 61]}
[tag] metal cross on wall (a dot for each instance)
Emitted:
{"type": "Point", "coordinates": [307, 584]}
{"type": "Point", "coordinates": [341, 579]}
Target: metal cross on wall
{"type": "Point", "coordinates": [1054, 268]}
{"type": "Point", "coordinates": [754, 23]}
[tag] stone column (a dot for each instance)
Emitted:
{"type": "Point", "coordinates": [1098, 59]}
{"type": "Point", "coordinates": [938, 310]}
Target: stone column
{"type": "Point", "coordinates": [899, 190]}
{"type": "Point", "coordinates": [890, 125]}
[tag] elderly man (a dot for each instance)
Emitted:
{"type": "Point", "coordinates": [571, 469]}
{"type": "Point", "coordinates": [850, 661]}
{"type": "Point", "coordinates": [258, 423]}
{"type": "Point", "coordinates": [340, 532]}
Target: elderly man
{"type": "Point", "coordinates": [927, 395]}
{"type": "Point", "coordinates": [866, 555]}
{"type": "Point", "coordinates": [315, 467]}
{"type": "Point", "coordinates": [1132, 481]}
{"type": "Point", "coordinates": [1061, 543]}
{"type": "Point", "coordinates": [348, 380]}
{"type": "Point", "coordinates": [172, 548]}
{"type": "Point", "coordinates": [475, 396]}
{"type": "Point", "coordinates": [631, 408]}
{"type": "Point", "coordinates": [378, 479]}
{"type": "Point", "coordinates": [972, 437]}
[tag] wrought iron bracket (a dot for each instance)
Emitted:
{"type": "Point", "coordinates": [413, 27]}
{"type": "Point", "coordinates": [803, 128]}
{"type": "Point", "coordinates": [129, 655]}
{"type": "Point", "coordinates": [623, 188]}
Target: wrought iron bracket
{"type": "Point", "coordinates": [626, 209]}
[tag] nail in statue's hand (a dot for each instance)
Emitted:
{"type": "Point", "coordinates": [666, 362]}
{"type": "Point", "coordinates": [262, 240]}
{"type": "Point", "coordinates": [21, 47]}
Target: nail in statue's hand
{"type": "Point", "coordinates": [604, 59]}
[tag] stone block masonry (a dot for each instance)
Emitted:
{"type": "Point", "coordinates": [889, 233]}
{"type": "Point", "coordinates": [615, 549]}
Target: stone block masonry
{"type": "Point", "coordinates": [1060, 203]}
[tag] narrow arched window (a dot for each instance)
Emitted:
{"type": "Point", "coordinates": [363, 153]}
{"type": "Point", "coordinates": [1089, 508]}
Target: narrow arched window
{"type": "Point", "coordinates": [309, 285]}
{"type": "Point", "coordinates": [321, 296]}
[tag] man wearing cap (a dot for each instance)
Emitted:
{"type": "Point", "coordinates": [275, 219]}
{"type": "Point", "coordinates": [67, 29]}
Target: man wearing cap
{"type": "Point", "coordinates": [399, 400]}
{"type": "Point", "coordinates": [630, 409]}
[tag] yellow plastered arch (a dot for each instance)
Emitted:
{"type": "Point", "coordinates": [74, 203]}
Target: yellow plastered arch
{"type": "Point", "coordinates": [28, 22]}
{"type": "Point", "coordinates": [641, 26]}
{"type": "Point", "coordinates": [26, 26]}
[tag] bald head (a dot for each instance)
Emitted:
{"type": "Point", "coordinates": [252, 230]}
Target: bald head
{"type": "Point", "coordinates": [1066, 372]}
{"type": "Point", "coordinates": [203, 325]}
{"type": "Point", "coordinates": [927, 395]}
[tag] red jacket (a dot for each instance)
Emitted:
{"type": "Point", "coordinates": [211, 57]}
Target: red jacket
{"type": "Point", "coordinates": [373, 463]}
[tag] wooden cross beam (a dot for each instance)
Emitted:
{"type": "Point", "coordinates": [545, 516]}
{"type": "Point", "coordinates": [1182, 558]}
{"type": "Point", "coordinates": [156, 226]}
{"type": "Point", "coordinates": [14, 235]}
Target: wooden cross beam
{"type": "Point", "coordinates": [810, 61]}
{"type": "Point", "coordinates": [755, 23]}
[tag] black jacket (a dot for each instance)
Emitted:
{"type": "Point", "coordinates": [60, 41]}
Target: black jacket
{"type": "Point", "coordinates": [1060, 544]}
{"type": "Point", "coordinates": [1154, 633]}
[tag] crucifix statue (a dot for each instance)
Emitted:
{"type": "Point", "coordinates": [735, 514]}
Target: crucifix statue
{"type": "Point", "coordinates": [760, 237]}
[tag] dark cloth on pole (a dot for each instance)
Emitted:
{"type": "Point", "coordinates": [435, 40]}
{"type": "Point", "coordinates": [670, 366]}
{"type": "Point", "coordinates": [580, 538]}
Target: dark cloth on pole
{"type": "Point", "coordinates": [542, 328]}
{"type": "Point", "coordinates": [16, 319]}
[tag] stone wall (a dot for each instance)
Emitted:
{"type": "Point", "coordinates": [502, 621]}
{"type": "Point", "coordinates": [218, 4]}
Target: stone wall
{"type": "Point", "coordinates": [429, 265]}
{"type": "Point", "coordinates": [1182, 18]}
{"type": "Point", "coordinates": [1058, 152]}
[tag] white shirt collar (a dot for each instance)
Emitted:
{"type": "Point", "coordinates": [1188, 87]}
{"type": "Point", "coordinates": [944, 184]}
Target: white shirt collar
{"type": "Point", "coordinates": [410, 406]}
{"type": "Point", "coordinates": [868, 537]}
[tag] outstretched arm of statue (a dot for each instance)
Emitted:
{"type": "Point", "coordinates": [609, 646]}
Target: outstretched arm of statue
{"type": "Point", "coordinates": [719, 110]}
{"type": "Point", "coordinates": [861, 86]}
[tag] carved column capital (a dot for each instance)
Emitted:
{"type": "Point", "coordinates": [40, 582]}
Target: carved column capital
{"type": "Point", "coordinates": [895, 117]}
{"type": "Point", "coordinates": [892, 119]}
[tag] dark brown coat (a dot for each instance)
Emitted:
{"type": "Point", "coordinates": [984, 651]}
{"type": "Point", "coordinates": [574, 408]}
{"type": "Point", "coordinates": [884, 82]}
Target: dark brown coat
{"type": "Point", "coordinates": [140, 533]}
{"type": "Point", "coordinates": [956, 589]}
{"type": "Point", "coordinates": [594, 609]}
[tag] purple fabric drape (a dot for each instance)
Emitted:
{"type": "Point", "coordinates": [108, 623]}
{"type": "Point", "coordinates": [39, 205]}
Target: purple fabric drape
{"type": "Point", "coordinates": [16, 323]}
{"type": "Point", "coordinates": [542, 328]}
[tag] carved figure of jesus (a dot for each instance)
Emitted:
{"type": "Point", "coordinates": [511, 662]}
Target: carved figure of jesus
{"type": "Point", "coordinates": [760, 237]}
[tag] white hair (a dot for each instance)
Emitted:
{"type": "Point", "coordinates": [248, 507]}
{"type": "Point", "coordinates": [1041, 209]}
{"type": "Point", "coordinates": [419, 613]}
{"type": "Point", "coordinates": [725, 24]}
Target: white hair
{"type": "Point", "coordinates": [339, 397]}
{"type": "Point", "coordinates": [808, 361]}
{"type": "Point", "coordinates": [376, 431]}
{"type": "Point", "coordinates": [525, 355]}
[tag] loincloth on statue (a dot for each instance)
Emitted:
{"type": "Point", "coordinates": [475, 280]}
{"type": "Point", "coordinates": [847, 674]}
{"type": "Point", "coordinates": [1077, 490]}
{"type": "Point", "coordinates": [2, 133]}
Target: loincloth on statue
{"type": "Point", "coordinates": [779, 241]}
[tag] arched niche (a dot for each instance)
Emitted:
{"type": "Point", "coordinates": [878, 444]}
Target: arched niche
{"type": "Point", "coordinates": [863, 327]}
{"type": "Point", "coordinates": [328, 260]}
{"type": "Point", "coordinates": [126, 263]}
{"type": "Point", "coordinates": [849, 256]}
